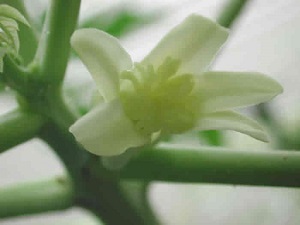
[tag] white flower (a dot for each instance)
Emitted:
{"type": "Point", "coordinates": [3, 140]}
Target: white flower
{"type": "Point", "coordinates": [168, 92]}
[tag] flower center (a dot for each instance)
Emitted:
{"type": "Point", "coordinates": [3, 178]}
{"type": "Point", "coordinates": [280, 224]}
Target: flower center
{"type": "Point", "coordinates": [160, 99]}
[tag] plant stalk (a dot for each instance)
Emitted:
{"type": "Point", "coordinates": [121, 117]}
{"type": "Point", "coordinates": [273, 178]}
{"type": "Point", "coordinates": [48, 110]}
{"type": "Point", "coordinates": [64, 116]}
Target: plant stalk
{"type": "Point", "coordinates": [17, 127]}
{"type": "Point", "coordinates": [230, 12]}
{"type": "Point", "coordinates": [36, 197]}
{"type": "Point", "coordinates": [54, 48]}
{"type": "Point", "coordinates": [219, 166]}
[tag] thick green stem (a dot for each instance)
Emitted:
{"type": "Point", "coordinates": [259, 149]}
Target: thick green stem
{"type": "Point", "coordinates": [36, 197]}
{"type": "Point", "coordinates": [58, 110]}
{"type": "Point", "coordinates": [228, 16]}
{"type": "Point", "coordinates": [137, 192]}
{"type": "Point", "coordinates": [72, 156]}
{"type": "Point", "coordinates": [54, 48]}
{"type": "Point", "coordinates": [231, 11]}
{"type": "Point", "coordinates": [18, 126]}
{"type": "Point", "coordinates": [100, 194]}
{"type": "Point", "coordinates": [57, 135]}
{"type": "Point", "coordinates": [187, 164]}
{"type": "Point", "coordinates": [106, 198]}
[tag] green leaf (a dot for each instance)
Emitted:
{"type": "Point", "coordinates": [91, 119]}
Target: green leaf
{"type": "Point", "coordinates": [213, 137]}
{"type": "Point", "coordinates": [117, 22]}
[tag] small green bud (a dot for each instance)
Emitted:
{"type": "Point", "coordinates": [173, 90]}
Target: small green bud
{"type": "Point", "coordinates": [9, 39]}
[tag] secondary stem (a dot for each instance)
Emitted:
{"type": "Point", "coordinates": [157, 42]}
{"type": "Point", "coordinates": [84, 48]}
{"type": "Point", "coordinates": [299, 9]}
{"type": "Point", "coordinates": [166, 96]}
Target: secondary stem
{"type": "Point", "coordinates": [100, 194]}
{"type": "Point", "coordinates": [15, 76]}
{"type": "Point", "coordinates": [18, 126]}
{"type": "Point", "coordinates": [54, 46]}
{"type": "Point", "coordinates": [36, 197]}
{"type": "Point", "coordinates": [231, 11]}
{"type": "Point", "coordinates": [187, 164]}
{"type": "Point", "coordinates": [138, 194]}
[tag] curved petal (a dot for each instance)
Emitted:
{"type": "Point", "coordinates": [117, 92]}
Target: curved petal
{"type": "Point", "coordinates": [104, 57]}
{"type": "Point", "coordinates": [230, 120]}
{"type": "Point", "coordinates": [10, 12]}
{"type": "Point", "coordinates": [194, 42]}
{"type": "Point", "coordinates": [106, 130]}
{"type": "Point", "coordinates": [224, 90]}
{"type": "Point", "coordinates": [10, 32]}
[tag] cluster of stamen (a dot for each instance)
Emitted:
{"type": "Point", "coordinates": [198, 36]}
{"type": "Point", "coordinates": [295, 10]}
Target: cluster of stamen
{"type": "Point", "coordinates": [160, 99]}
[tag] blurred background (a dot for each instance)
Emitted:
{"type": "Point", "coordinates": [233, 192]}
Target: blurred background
{"type": "Point", "coordinates": [265, 38]}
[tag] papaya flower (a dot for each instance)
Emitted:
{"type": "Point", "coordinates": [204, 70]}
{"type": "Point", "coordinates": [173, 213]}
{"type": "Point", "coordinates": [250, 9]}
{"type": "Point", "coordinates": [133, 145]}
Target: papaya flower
{"type": "Point", "coordinates": [169, 92]}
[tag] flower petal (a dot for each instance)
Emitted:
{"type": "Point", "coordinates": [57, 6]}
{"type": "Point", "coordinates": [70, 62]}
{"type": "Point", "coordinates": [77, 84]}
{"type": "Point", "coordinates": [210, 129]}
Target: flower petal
{"type": "Point", "coordinates": [106, 130]}
{"type": "Point", "coordinates": [194, 42]}
{"type": "Point", "coordinates": [230, 120]}
{"type": "Point", "coordinates": [10, 32]}
{"type": "Point", "coordinates": [10, 12]}
{"type": "Point", "coordinates": [224, 90]}
{"type": "Point", "coordinates": [104, 57]}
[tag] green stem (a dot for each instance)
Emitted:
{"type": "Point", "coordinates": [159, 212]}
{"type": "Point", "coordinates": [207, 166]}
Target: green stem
{"type": "Point", "coordinates": [58, 110]}
{"type": "Point", "coordinates": [106, 198]}
{"type": "Point", "coordinates": [15, 76]}
{"type": "Point", "coordinates": [54, 46]}
{"type": "Point", "coordinates": [18, 126]}
{"type": "Point", "coordinates": [57, 134]}
{"type": "Point", "coordinates": [100, 194]}
{"type": "Point", "coordinates": [231, 11]}
{"type": "Point", "coordinates": [228, 16]}
{"type": "Point", "coordinates": [72, 156]}
{"type": "Point", "coordinates": [171, 164]}
{"type": "Point", "coordinates": [36, 197]}
{"type": "Point", "coordinates": [137, 192]}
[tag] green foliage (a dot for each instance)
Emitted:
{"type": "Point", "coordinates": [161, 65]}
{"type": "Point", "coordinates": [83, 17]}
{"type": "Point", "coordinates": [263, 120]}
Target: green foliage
{"type": "Point", "coordinates": [117, 22]}
{"type": "Point", "coordinates": [212, 137]}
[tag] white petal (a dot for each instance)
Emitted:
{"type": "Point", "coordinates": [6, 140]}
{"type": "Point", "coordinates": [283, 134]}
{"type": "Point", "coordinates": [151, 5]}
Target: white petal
{"type": "Point", "coordinates": [106, 130]}
{"type": "Point", "coordinates": [224, 90]}
{"type": "Point", "coordinates": [104, 57]}
{"type": "Point", "coordinates": [230, 120]}
{"type": "Point", "coordinates": [194, 42]}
